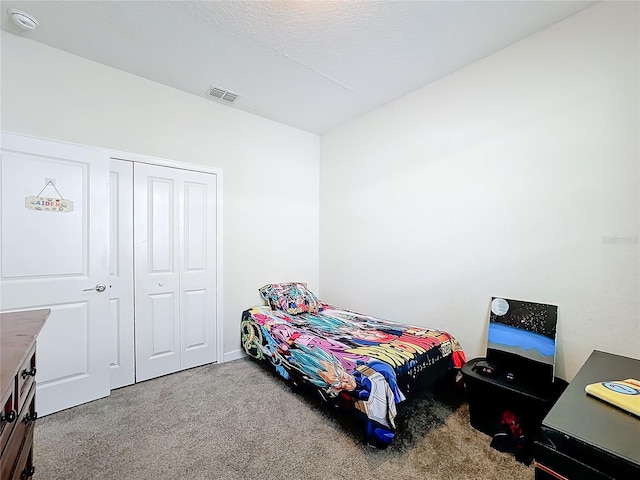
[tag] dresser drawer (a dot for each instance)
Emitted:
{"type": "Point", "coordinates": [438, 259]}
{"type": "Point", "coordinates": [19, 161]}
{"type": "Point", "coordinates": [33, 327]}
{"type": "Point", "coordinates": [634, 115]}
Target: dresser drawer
{"type": "Point", "coordinates": [26, 377]}
{"type": "Point", "coordinates": [21, 437]}
{"type": "Point", "coordinates": [8, 416]}
{"type": "Point", "coordinates": [24, 467]}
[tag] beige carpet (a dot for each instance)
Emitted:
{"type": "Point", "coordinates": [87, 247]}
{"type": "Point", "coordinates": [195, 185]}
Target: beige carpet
{"type": "Point", "coordinates": [236, 421]}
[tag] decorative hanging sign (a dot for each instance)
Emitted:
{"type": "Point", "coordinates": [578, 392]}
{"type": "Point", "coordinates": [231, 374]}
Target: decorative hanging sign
{"type": "Point", "coordinates": [48, 204]}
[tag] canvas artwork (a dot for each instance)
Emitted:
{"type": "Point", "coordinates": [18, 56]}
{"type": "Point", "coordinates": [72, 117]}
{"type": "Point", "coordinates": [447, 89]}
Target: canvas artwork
{"type": "Point", "coordinates": [524, 329]}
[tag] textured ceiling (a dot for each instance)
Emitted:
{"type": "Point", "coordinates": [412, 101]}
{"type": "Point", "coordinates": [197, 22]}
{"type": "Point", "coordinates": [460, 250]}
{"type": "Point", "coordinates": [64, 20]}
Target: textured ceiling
{"type": "Point", "coordinates": [310, 64]}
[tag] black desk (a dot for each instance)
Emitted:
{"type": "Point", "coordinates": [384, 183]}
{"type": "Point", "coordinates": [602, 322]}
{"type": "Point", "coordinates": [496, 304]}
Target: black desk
{"type": "Point", "coordinates": [584, 438]}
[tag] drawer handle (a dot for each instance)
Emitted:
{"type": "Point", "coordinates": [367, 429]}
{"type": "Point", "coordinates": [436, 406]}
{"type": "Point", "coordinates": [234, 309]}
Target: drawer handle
{"type": "Point", "coordinates": [26, 373]}
{"type": "Point", "coordinates": [9, 417]}
{"type": "Point", "coordinates": [27, 472]}
{"type": "Point", "coordinates": [30, 417]}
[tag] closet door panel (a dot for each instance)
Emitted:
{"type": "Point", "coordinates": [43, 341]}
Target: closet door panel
{"type": "Point", "coordinates": [198, 268]}
{"type": "Point", "coordinates": [121, 289]}
{"type": "Point", "coordinates": [161, 313]}
{"type": "Point", "coordinates": [160, 224]}
{"type": "Point", "coordinates": [157, 276]}
{"type": "Point", "coordinates": [195, 226]}
{"type": "Point", "coordinates": [195, 329]}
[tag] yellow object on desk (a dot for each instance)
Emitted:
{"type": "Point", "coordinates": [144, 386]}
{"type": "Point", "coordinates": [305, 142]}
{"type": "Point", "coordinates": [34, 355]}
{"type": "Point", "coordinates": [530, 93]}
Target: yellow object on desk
{"type": "Point", "coordinates": [624, 394]}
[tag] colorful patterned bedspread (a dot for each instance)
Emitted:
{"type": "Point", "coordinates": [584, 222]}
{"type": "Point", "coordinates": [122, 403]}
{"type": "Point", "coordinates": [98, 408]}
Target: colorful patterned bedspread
{"type": "Point", "coordinates": [349, 356]}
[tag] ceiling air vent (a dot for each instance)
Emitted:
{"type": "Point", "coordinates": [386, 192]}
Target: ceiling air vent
{"type": "Point", "coordinates": [222, 94]}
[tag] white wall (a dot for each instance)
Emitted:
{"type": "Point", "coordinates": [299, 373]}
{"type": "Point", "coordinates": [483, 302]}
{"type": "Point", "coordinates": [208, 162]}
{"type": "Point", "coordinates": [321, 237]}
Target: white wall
{"type": "Point", "coordinates": [270, 170]}
{"type": "Point", "coordinates": [510, 177]}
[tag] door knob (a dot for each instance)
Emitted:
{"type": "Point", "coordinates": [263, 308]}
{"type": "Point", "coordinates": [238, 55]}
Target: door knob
{"type": "Point", "coordinates": [101, 287]}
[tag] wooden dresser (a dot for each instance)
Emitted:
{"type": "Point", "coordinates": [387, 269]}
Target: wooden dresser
{"type": "Point", "coordinates": [18, 331]}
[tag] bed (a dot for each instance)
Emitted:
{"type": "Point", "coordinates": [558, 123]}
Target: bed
{"type": "Point", "coordinates": [351, 361]}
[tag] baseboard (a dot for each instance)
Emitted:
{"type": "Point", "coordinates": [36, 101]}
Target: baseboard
{"type": "Point", "coordinates": [233, 355]}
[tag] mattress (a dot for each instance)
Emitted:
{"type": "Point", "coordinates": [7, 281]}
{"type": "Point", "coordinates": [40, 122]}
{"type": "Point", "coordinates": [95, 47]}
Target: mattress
{"type": "Point", "coordinates": [351, 360]}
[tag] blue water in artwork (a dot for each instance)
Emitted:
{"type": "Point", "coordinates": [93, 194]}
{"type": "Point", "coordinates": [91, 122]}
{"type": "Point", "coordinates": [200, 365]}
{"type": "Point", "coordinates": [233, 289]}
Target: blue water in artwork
{"type": "Point", "coordinates": [529, 344]}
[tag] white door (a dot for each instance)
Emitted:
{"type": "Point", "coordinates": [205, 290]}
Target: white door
{"type": "Point", "coordinates": [157, 307]}
{"type": "Point", "coordinates": [121, 273]}
{"type": "Point", "coordinates": [175, 269]}
{"type": "Point", "coordinates": [197, 268]}
{"type": "Point", "coordinates": [59, 260]}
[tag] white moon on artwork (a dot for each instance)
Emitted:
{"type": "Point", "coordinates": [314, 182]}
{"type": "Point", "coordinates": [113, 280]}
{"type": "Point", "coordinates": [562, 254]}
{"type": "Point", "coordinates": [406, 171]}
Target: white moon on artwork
{"type": "Point", "coordinates": [499, 306]}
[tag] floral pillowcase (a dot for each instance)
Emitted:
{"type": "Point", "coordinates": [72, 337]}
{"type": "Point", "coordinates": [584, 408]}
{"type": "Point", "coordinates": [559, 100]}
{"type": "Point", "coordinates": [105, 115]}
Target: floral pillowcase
{"type": "Point", "coordinates": [292, 297]}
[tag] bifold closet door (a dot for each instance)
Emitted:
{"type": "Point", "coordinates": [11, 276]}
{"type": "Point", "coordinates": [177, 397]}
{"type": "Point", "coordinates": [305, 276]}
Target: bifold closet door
{"type": "Point", "coordinates": [122, 362]}
{"type": "Point", "coordinates": [198, 264]}
{"type": "Point", "coordinates": [175, 269]}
